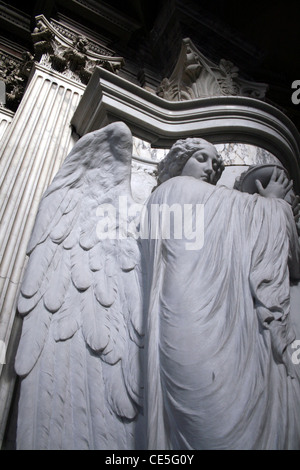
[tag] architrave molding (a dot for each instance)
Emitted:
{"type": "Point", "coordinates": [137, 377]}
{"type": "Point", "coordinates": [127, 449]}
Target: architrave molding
{"type": "Point", "coordinates": [219, 119]}
{"type": "Point", "coordinates": [105, 15]}
{"type": "Point", "coordinates": [15, 17]}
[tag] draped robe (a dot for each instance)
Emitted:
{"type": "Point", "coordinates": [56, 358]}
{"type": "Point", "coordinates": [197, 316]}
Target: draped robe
{"type": "Point", "coordinates": [219, 373]}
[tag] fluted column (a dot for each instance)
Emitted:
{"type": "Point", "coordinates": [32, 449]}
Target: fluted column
{"type": "Point", "coordinates": [32, 150]}
{"type": "Point", "coordinates": [6, 117]}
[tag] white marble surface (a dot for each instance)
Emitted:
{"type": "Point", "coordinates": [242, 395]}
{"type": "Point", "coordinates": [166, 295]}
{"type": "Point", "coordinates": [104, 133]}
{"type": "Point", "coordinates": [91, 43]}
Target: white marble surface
{"type": "Point", "coordinates": [36, 143]}
{"type": "Point", "coordinates": [81, 304]}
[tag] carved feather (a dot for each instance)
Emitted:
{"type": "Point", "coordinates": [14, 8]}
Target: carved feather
{"type": "Point", "coordinates": [80, 272]}
{"type": "Point", "coordinates": [43, 408]}
{"type": "Point", "coordinates": [34, 333]}
{"type": "Point", "coordinates": [68, 320]}
{"type": "Point", "coordinates": [28, 404]}
{"type": "Point", "coordinates": [25, 305]}
{"type": "Point", "coordinates": [64, 227]}
{"type": "Point", "coordinates": [49, 213]}
{"type": "Point", "coordinates": [96, 257]}
{"type": "Point", "coordinates": [129, 254]}
{"type": "Point", "coordinates": [37, 268]}
{"type": "Point", "coordinates": [71, 240]}
{"type": "Point", "coordinates": [88, 236]}
{"type": "Point", "coordinates": [134, 303]}
{"type": "Point", "coordinates": [44, 390]}
{"type": "Point", "coordinates": [117, 394]}
{"type": "Point", "coordinates": [53, 205]}
{"type": "Point", "coordinates": [132, 372]}
{"type": "Point", "coordinates": [83, 384]}
{"type": "Point", "coordinates": [103, 434]}
{"type": "Point", "coordinates": [58, 282]}
{"type": "Point", "coordinates": [105, 289]}
{"type": "Point", "coordinates": [118, 333]}
{"type": "Point", "coordinates": [94, 321]}
{"type": "Point", "coordinates": [79, 395]}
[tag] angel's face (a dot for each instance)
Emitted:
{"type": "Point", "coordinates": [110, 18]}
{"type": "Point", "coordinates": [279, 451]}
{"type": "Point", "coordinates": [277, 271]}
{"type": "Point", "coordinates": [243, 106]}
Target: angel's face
{"type": "Point", "coordinates": [203, 164]}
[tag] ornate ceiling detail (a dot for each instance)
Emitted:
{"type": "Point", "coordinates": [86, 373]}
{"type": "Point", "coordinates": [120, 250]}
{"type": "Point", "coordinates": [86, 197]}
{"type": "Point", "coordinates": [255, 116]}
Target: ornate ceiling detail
{"type": "Point", "coordinates": [58, 48]}
{"type": "Point", "coordinates": [195, 76]}
{"type": "Point", "coordinates": [69, 53]}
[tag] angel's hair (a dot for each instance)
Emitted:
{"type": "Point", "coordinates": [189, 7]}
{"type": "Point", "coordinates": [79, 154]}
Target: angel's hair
{"type": "Point", "coordinates": [174, 162]}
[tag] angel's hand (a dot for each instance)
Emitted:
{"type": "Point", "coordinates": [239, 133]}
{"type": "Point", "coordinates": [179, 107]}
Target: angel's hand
{"type": "Point", "coordinates": [278, 186]}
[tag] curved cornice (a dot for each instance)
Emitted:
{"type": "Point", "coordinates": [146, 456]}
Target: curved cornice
{"type": "Point", "coordinates": [221, 119]}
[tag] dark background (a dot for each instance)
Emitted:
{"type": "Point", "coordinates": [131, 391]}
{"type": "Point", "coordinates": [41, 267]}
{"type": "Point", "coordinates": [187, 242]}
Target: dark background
{"type": "Point", "coordinates": [261, 38]}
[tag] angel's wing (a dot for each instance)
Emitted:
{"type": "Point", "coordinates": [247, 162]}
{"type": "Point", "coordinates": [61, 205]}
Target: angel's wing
{"type": "Point", "coordinates": [79, 353]}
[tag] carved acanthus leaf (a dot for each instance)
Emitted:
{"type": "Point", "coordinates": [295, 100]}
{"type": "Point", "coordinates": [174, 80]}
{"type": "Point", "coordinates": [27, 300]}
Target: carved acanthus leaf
{"type": "Point", "coordinates": [195, 76]}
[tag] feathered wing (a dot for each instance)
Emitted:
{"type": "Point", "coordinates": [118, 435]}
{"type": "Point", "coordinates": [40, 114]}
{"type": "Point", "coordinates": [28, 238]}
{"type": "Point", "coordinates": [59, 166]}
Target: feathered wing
{"type": "Point", "coordinates": [79, 353]}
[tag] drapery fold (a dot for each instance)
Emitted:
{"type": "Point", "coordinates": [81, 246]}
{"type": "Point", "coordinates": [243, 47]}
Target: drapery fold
{"type": "Point", "coordinates": [219, 374]}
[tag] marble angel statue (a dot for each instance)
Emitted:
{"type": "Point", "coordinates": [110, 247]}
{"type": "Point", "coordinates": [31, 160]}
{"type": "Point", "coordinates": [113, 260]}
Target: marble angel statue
{"type": "Point", "coordinates": [159, 342]}
{"type": "Point", "coordinates": [219, 331]}
{"type": "Point", "coordinates": [80, 298]}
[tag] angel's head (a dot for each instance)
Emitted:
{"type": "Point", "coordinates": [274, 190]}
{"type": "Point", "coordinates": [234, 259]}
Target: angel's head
{"type": "Point", "coordinates": [192, 157]}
